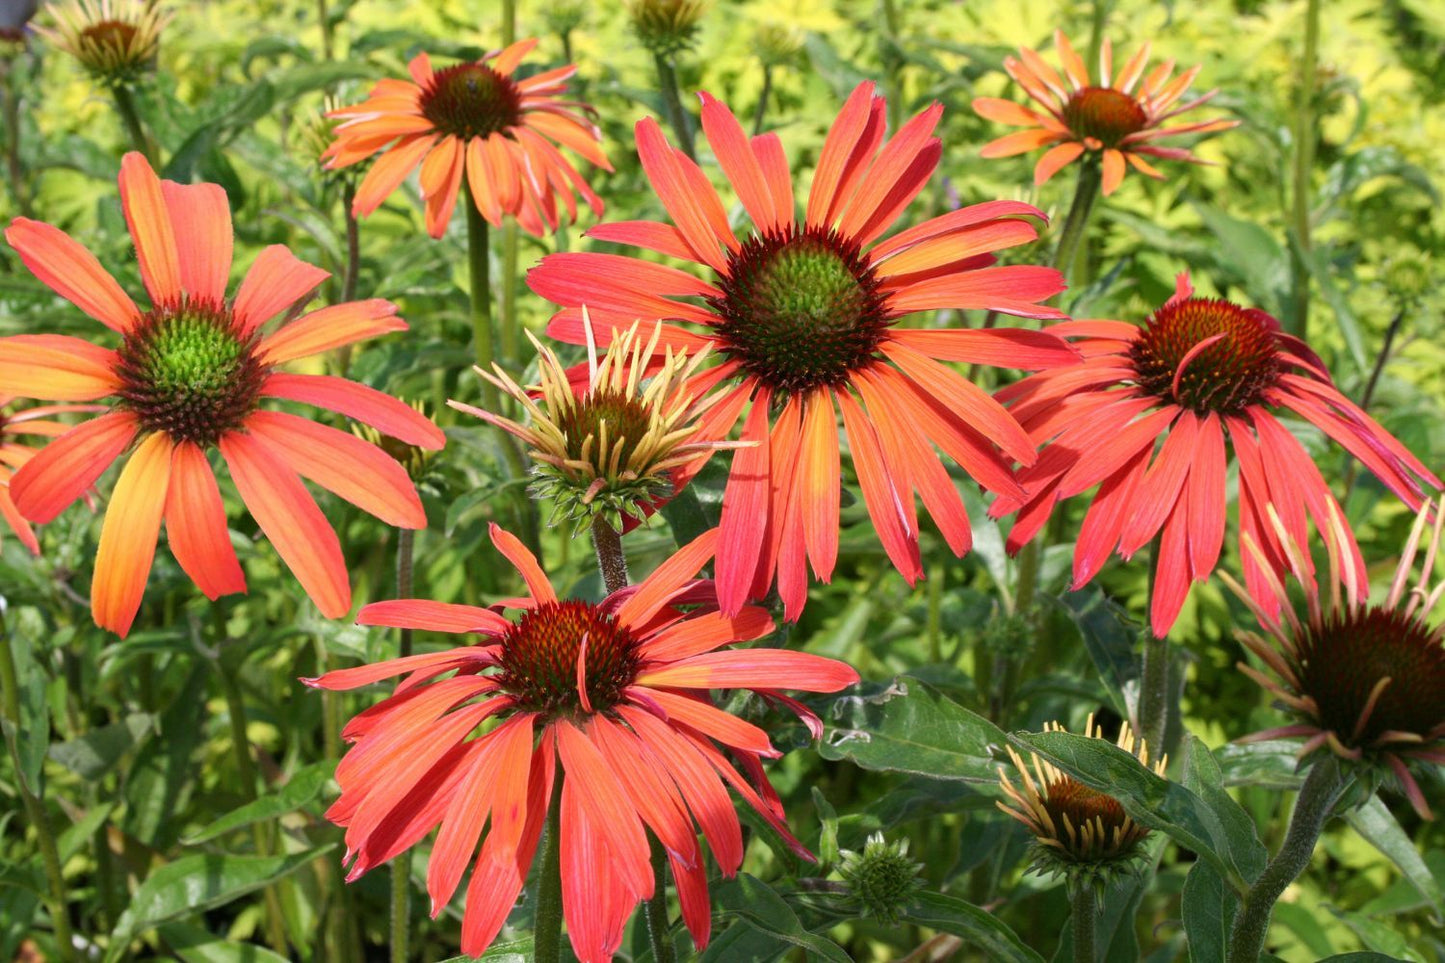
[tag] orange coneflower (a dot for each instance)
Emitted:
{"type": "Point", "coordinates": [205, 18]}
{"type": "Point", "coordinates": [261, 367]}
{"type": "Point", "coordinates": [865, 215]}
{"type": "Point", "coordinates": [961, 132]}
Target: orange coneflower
{"type": "Point", "coordinates": [612, 699]}
{"type": "Point", "coordinates": [1200, 378]}
{"type": "Point", "coordinates": [189, 375]}
{"type": "Point", "coordinates": [1112, 118]}
{"type": "Point", "coordinates": [39, 422]}
{"type": "Point", "coordinates": [803, 314]}
{"type": "Point", "coordinates": [473, 122]}
{"type": "Point", "coordinates": [1365, 681]}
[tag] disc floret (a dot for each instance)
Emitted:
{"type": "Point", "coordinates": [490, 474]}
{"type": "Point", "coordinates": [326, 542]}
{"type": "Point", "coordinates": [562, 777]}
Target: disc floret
{"type": "Point", "coordinates": [471, 100]}
{"type": "Point", "coordinates": [1104, 116]}
{"type": "Point", "coordinates": [800, 308]}
{"type": "Point", "coordinates": [1207, 355]}
{"type": "Point", "coordinates": [1365, 681]}
{"type": "Point", "coordinates": [612, 449]}
{"type": "Point", "coordinates": [1079, 832]}
{"type": "Point", "coordinates": [114, 40]}
{"type": "Point", "coordinates": [567, 659]}
{"type": "Point", "coordinates": [881, 879]}
{"type": "Point", "coordinates": [185, 369]}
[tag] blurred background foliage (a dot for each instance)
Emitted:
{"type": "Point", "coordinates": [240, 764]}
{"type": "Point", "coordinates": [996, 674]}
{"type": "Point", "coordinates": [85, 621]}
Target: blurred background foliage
{"type": "Point", "coordinates": [132, 740]}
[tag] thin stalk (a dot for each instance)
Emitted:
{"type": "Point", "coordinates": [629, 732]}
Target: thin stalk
{"type": "Point", "coordinates": [125, 107]}
{"type": "Point", "coordinates": [1154, 675]}
{"type": "Point", "coordinates": [401, 866]}
{"type": "Point", "coordinates": [610, 559]}
{"type": "Point", "coordinates": [509, 22]}
{"type": "Point", "coordinates": [892, 62]}
{"type": "Point", "coordinates": [547, 928]}
{"type": "Point", "coordinates": [1317, 798]}
{"type": "Point", "coordinates": [507, 302]}
{"type": "Point", "coordinates": [241, 746]}
{"type": "Point", "coordinates": [659, 929]}
{"type": "Point", "coordinates": [676, 116]}
{"type": "Point", "coordinates": [1086, 191]}
{"type": "Point", "coordinates": [1304, 160]}
{"type": "Point", "coordinates": [10, 111]}
{"type": "Point", "coordinates": [34, 808]}
{"type": "Point", "coordinates": [767, 92]}
{"type": "Point", "coordinates": [324, 16]}
{"type": "Point", "coordinates": [480, 275]}
{"type": "Point", "coordinates": [1096, 31]}
{"type": "Point", "coordinates": [353, 264]}
{"type": "Point", "coordinates": [1085, 910]}
{"type": "Point", "coordinates": [1368, 395]}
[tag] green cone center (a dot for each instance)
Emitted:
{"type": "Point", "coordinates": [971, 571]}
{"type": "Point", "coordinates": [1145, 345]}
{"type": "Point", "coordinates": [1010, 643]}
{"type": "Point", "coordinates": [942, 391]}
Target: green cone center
{"type": "Point", "coordinates": [1226, 375]}
{"type": "Point", "coordinates": [185, 371]}
{"type": "Point", "coordinates": [800, 310]}
{"type": "Point", "coordinates": [1105, 114]}
{"type": "Point", "coordinates": [471, 100]}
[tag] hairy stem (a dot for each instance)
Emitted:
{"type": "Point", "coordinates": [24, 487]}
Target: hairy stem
{"type": "Point", "coordinates": [34, 808]}
{"type": "Point", "coordinates": [401, 866]}
{"type": "Point", "coordinates": [324, 17]}
{"type": "Point", "coordinates": [767, 92]}
{"type": "Point", "coordinates": [1071, 236]}
{"type": "Point", "coordinates": [676, 115]}
{"type": "Point", "coordinates": [1317, 798]}
{"type": "Point", "coordinates": [1085, 909]}
{"type": "Point", "coordinates": [610, 559]}
{"type": "Point", "coordinates": [659, 930]}
{"type": "Point", "coordinates": [125, 107]}
{"type": "Point", "coordinates": [1304, 160]}
{"type": "Point", "coordinates": [1154, 674]}
{"type": "Point", "coordinates": [547, 932]}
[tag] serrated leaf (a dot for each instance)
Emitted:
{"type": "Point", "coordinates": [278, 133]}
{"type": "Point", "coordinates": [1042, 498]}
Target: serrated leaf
{"type": "Point", "coordinates": [979, 928]}
{"type": "Point", "coordinates": [195, 884]}
{"type": "Point", "coordinates": [97, 752]}
{"type": "Point", "coordinates": [912, 727]}
{"type": "Point", "coordinates": [302, 788]}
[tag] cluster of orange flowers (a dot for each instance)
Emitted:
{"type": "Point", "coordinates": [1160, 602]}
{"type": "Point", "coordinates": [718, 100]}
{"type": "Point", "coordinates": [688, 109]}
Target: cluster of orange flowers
{"type": "Point", "coordinates": [808, 314]}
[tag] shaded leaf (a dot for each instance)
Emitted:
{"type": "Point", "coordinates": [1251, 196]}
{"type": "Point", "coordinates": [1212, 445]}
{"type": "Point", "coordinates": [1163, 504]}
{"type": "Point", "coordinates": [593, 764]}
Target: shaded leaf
{"type": "Point", "coordinates": [95, 753]}
{"type": "Point", "coordinates": [1381, 829]}
{"type": "Point", "coordinates": [302, 788]}
{"type": "Point", "coordinates": [978, 927]}
{"type": "Point", "coordinates": [754, 903]}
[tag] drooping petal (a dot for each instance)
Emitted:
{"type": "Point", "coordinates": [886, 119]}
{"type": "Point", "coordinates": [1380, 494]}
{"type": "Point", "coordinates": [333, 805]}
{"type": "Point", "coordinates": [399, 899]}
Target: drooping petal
{"type": "Point", "coordinates": [817, 482]}
{"type": "Point", "coordinates": [745, 501]}
{"type": "Point", "coordinates": [329, 328]}
{"type": "Point", "coordinates": [128, 537]}
{"type": "Point", "coordinates": [432, 616]}
{"type": "Point", "coordinates": [290, 519]}
{"type": "Point", "coordinates": [56, 367]}
{"type": "Point", "coordinates": [150, 226]}
{"type": "Point", "coordinates": [277, 280]}
{"type": "Point", "coordinates": [753, 668]}
{"type": "Point", "coordinates": [703, 633]}
{"type": "Point", "coordinates": [196, 525]}
{"type": "Point", "coordinates": [667, 580]}
{"type": "Point", "coordinates": [524, 562]}
{"type": "Point", "coordinates": [367, 405]}
{"type": "Point", "coordinates": [62, 470]}
{"type": "Point", "coordinates": [71, 271]}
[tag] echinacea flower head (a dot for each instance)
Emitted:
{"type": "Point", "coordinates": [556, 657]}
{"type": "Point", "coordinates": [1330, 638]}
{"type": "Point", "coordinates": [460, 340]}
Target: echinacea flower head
{"type": "Point", "coordinates": [610, 449]}
{"type": "Point", "coordinates": [474, 124]}
{"type": "Point", "coordinates": [14, 15]}
{"type": "Point", "coordinates": [16, 428]}
{"type": "Point", "coordinates": [802, 317]}
{"type": "Point", "coordinates": [190, 375]}
{"type": "Point", "coordinates": [1364, 680]}
{"type": "Point", "coordinates": [666, 27]}
{"type": "Point", "coordinates": [1116, 121]}
{"type": "Point", "coordinates": [881, 879]}
{"type": "Point", "coordinates": [114, 40]}
{"type": "Point", "coordinates": [1078, 831]}
{"type": "Point", "coordinates": [612, 699]}
{"type": "Point", "coordinates": [1205, 381]}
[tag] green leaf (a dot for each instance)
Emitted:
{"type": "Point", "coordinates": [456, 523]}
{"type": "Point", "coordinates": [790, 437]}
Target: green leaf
{"type": "Point", "coordinates": [911, 727]}
{"type": "Point", "coordinates": [1264, 765]}
{"type": "Point", "coordinates": [97, 752]}
{"type": "Point", "coordinates": [198, 883]}
{"type": "Point", "coordinates": [978, 927]}
{"type": "Point", "coordinates": [1318, 265]}
{"type": "Point", "coordinates": [1378, 826]}
{"type": "Point", "coordinates": [512, 951]}
{"type": "Point", "coordinates": [160, 779]}
{"type": "Point", "coordinates": [1109, 636]}
{"type": "Point", "coordinates": [302, 788]}
{"type": "Point", "coordinates": [1151, 800]}
{"type": "Point", "coordinates": [754, 903]}
{"type": "Point", "coordinates": [194, 944]}
{"type": "Point", "coordinates": [1248, 250]}
{"type": "Point", "coordinates": [1204, 777]}
{"type": "Point", "coordinates": [1209, 908]}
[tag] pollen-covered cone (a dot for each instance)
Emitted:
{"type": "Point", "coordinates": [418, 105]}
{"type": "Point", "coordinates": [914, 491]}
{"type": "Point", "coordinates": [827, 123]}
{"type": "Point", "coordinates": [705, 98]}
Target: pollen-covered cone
{"type": "Point", "coordinates": [1080, 832]}
{"type": "Point", "coordinates": [612, 700]}
{"type": "Point", "coordinates": [1117, 121]}
{"type": "Point", "coordinates": [1364, 680]}
{"type": "Point", "coordinates": [20, 431]}
{"type": "Point", "coordinates": [1205, 382]}
{"type": "Point", "coordinates": [190, 375]}
{"type": "Point", "coordinates": [803, 319]}
{"type": "Point", "coordinates": [114, 40]}
{"type": "Point", "coordinates": [609, 448]}
{"type": "Point", "coordinates": [474, 125]}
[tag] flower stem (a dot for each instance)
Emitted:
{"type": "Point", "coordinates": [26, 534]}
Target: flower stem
{"type": "Point", "coordinates": [676, 116]}
{"type": "Point", "coordinates": [125, 106]}
{"type": "Point", "coordinates": [10, 114]}
{"type": "Point", "coordinates": [401, 866]}
{"type": "Point", "coordinates": [34, 808]}
{"type": "Point", "coordinates": [547, 931]}
{"type": "Point", "coordinates": [1072, 234]}
{"type": "Point", "coordinates": [323, 16]}
{"type": "Point", "coordinates": [480, 275]}
{"type": "Point", "coordinates": [610, 559]}
{"type": "Point", "coordinates": [1154, 674]}
{"type": "Point", "coordinates": [1317, 798]}
{"type": "Point", "coordinates": [507, 298]}
{"type": "Point", "coordinates": [763, 100]}
{"type": "Point", "coordinates": [1084, 910]}
{"type": "Point", "coordinates": [659, 932]}
{"type": "Point", "coordinates": [1304, 159]}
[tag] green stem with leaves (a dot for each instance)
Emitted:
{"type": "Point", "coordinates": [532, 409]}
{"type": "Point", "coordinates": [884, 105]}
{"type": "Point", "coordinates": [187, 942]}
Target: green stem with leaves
{"type": "Point", "coordinates": [1085, 910]}
{"type": "Point", "coordinates": [130, 117]}
{"type": "Point", "coordinates": [34, 808]}
{"type": "Point", "coordinates": [677, 117]}
{"type": "Point", "coordinates": [1304, 160]}
{"type": "Point", "coordinates": [1317, 797]}
{"type": "Point", "coordinates": [401, 866]}
{"type": "Point", "coordinates": [1071, 236]}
